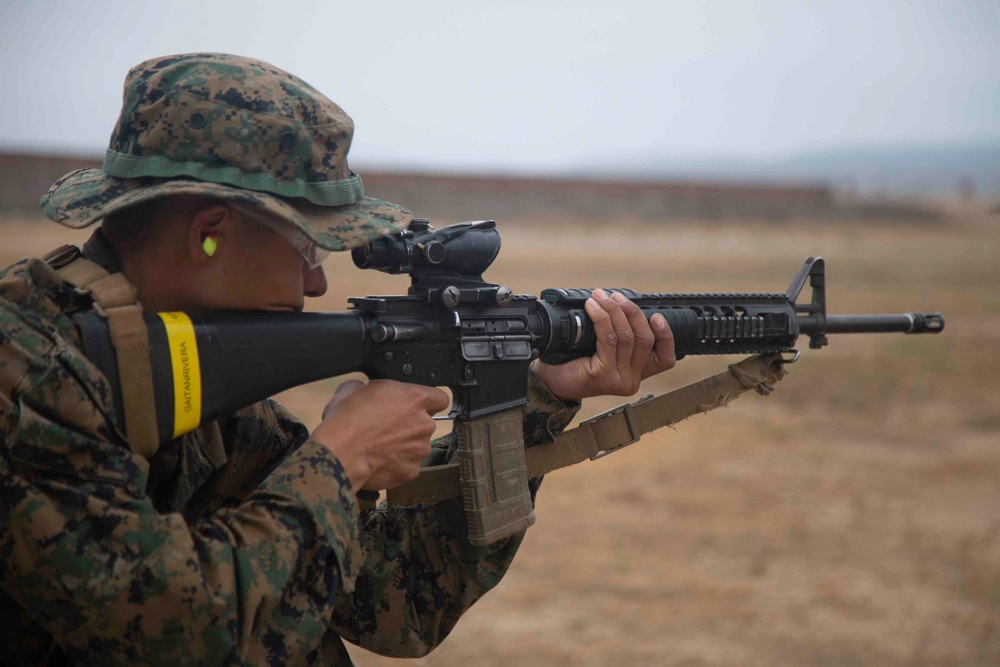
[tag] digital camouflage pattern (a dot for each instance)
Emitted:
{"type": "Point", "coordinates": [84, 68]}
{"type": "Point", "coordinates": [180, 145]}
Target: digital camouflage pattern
{"type": "Point", "coordinates": [232, 128]}
{"type": "Point", "coordinates": [238, 543]}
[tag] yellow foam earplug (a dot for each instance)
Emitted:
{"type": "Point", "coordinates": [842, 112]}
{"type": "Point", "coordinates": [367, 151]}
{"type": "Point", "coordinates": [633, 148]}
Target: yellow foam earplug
{"type": "Point", "coordinates": [210, 245]}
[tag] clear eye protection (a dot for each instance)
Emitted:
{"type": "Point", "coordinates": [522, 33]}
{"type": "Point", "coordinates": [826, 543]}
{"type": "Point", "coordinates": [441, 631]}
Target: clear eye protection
{"type": "Point", "coordinates": [312, 253]}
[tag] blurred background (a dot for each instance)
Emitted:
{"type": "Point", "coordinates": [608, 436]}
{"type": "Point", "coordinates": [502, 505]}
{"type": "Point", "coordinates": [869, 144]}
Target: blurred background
{"type": "Point", "coordinates": [853, 517]}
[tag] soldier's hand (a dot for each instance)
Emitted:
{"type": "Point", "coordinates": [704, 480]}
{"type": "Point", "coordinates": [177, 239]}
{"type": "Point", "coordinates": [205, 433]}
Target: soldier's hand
{"type": "Point", "coordinates": [628, 351]}
{"type": "Point", "coordinates": [380, 431]}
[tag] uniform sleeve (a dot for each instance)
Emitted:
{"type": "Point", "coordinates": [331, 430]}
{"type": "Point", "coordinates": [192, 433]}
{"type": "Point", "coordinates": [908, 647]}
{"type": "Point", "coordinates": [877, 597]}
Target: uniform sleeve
{"type": "Point", "coordinates": [85, 553]}
{"type": "Point", "coordinates": [421, 574]}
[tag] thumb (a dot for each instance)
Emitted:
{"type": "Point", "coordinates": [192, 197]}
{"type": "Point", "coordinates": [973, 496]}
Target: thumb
{"type": "Point", "coordinates": [344, 389]}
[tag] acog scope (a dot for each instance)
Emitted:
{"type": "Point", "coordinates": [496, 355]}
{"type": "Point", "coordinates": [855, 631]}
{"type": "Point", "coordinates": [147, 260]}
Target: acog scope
{"type": "Point", "coordinates": [465, 248]}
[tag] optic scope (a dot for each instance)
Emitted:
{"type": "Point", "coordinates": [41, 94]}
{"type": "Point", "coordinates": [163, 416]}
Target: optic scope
{"type": "Point", "coordinates": [465, 248]}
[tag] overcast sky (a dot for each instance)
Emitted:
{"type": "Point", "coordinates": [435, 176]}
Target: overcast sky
{"type": "Point", "coordinates": [538, 86]}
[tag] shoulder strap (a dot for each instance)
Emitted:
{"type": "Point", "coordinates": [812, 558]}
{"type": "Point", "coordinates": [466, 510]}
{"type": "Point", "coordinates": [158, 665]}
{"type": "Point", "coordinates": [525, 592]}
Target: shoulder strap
{"type": "Point", "coordinates": [114, 299]}
{"type": "Point", "coordinates": [613, 430]}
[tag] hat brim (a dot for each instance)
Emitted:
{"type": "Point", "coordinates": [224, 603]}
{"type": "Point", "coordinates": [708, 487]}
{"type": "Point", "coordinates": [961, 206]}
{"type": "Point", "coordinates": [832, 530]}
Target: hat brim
{"type": "Point", "coordinates": [83, 197]}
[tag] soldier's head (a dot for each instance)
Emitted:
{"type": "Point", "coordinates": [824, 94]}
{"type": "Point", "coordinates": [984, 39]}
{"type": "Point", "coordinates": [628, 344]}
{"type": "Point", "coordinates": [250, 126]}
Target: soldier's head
{"type": "Point", "coordinates": [226, 158]}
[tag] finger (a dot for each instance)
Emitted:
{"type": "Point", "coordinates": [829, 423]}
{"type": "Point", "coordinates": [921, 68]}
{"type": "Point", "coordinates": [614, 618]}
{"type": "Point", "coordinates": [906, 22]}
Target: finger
{"type": "Point", "coordinates": [624, 334]}
{"type": "Point", "coordinates": [642, 333]}
{"type": "Point", "coordinates": [437, 401]}
{"type": "Point", "coordinates": [604, 337]}
{"type": "Point", "coordinates": [663, 356]}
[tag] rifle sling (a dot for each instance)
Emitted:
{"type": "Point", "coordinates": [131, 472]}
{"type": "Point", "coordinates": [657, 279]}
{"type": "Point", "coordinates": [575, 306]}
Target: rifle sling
{"type": "Point", "coordinates": [610, 431]}
{"type": "Point", "coordinates": [115, 300]}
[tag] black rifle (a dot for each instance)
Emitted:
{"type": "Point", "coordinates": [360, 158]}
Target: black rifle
{"type": "Point", "coordinates": [452, 329]}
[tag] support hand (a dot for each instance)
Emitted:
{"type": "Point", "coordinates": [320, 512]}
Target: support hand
{"type": "Point", "coordinates": [628, 351]}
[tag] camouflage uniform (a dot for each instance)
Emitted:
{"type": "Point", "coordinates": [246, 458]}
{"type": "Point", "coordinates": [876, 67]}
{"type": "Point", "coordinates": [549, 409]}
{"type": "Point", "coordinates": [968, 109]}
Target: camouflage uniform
{"type": "Point", "coordinates": [241, 542]}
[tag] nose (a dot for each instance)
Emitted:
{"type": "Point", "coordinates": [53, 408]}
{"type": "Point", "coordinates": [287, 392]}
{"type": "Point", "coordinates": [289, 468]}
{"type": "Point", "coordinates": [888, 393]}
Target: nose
{"type": "Point", "coordinates": [314, 281]}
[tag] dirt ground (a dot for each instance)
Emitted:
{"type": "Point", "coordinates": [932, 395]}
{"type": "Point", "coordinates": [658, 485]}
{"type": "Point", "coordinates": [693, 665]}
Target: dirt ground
{"type": "Point", "coordinates": [851, 518]}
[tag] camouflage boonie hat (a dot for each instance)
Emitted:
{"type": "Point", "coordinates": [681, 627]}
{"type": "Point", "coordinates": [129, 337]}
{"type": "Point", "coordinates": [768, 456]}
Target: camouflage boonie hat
{"type": "Point", "coordinates": [236, 129]}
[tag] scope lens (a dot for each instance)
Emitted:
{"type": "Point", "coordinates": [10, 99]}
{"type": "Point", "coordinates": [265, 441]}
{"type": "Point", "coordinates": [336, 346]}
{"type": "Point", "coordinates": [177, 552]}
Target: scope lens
{"type": "Point", "coordinates": [361, 256]}
{"type": "Point", "coordinates": [434, 252]}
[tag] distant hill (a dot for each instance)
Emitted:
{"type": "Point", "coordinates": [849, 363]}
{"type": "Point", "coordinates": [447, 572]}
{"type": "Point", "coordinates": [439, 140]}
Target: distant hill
{"type": "Point", "coordinates": [25, 177]}
{"type": "Point", "coordinates": [933, 170]}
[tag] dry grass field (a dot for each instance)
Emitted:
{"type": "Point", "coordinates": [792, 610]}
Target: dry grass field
{"type": "Point", "coordinates": [851, 518]}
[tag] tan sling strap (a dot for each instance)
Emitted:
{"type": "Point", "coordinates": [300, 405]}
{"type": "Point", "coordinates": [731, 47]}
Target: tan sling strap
{"type": "Point", "coordinates": [612, 430]}
{"type": "Point", "coordinates": [114, 300]}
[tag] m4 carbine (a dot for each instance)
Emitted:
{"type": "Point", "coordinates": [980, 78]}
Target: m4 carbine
{"type": "Point", "coordinates": [451, 329]}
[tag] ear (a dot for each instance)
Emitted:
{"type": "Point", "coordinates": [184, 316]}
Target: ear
{"type": "Point", "coordinates": [213, 220]}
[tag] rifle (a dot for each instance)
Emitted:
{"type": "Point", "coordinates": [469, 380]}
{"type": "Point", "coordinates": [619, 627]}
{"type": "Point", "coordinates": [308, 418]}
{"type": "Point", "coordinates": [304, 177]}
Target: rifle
{"type": "Point", "coordinates": [452, 329]}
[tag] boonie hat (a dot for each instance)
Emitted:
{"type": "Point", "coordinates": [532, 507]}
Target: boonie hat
{"type": "Point", "coordinates": [235, 129]}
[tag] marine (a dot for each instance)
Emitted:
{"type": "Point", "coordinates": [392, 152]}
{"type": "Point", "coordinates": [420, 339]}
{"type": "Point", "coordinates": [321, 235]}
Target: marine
{"type": "Point", "coordinates": [224, 187]}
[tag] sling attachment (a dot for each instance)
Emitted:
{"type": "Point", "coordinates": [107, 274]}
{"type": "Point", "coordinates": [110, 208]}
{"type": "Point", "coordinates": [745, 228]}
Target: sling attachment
{"type": "Point", "coordinates": [613, 430]}
{"type": "Point", "coordinates": [115, 300]}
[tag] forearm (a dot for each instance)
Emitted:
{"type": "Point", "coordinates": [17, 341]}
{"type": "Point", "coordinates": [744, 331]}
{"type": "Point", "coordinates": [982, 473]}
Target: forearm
{"type": "Point", "coordinates": [421, 574]}
{"type": "Point", "coordinates": [114, 581]}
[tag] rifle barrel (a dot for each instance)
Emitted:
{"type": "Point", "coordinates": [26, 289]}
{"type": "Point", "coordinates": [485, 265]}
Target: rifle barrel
{"type": "Point", "coordinates": [903, 323]}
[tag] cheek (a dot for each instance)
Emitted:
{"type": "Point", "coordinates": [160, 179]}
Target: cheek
{"type": "Point", "coordinates": [257, 278]}
{"type": "Point", "coordinates": [284, 268]}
